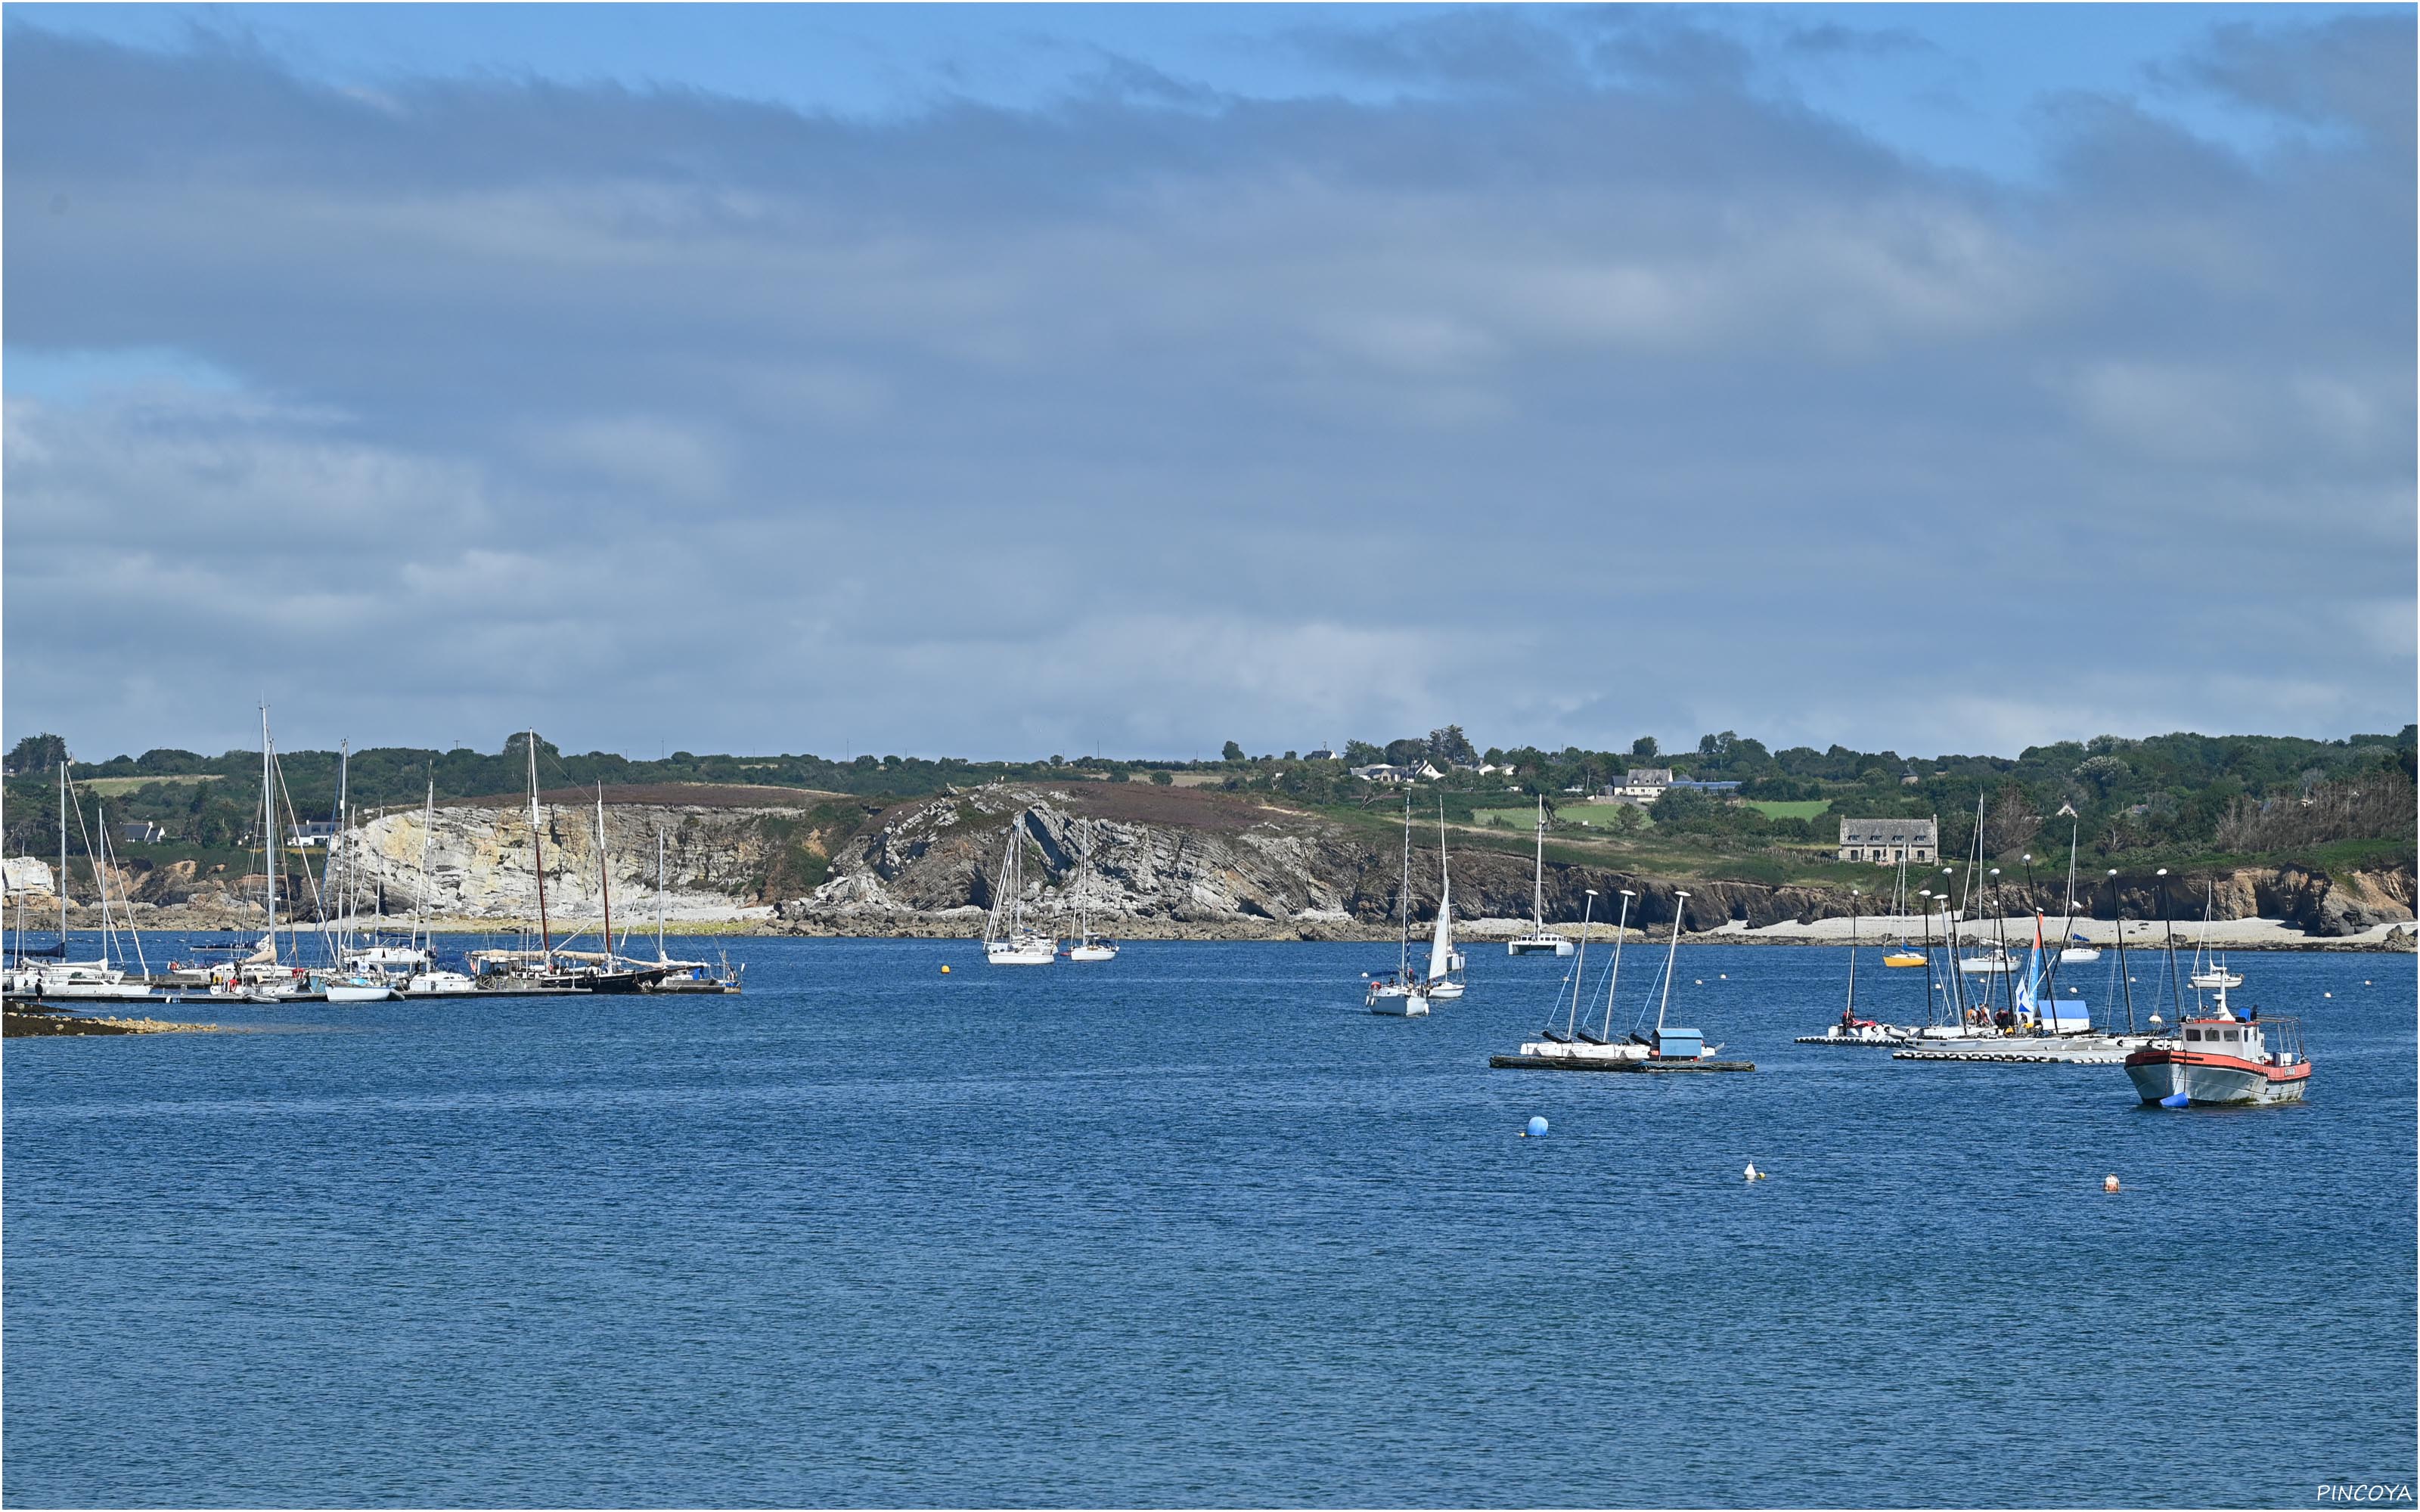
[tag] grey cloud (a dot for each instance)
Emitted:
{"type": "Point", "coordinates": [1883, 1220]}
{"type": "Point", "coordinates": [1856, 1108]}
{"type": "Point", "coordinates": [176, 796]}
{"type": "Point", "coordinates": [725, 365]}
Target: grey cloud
{"type": "Point", "coordinates": [1565, 412]}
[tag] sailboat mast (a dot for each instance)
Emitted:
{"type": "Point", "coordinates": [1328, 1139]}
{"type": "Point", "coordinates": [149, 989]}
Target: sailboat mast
{"type": "Point", "coordinates": [422, 937]}
{"type": "Point", "coordinates": [1580, 970]}
{"type": "Point", "coordinates": [336, 845]}
{"type": "Point", "coordinates": [269, 827]}
{"type": "Point", "coordinates": [1538, 882]}
{"type": "Point", "coordinates": [2176, 992]}
{"type": "Point", "coordinates": [1613, 984]}
{"type": "Point", "coordinates": [604, 875]}
{"type": "Point", "coordinates": [538, 860]}
{"type": "Point", "coordinates": [2125, 982]}
{"type": "Point", "coordinates": [62, 882]}
{"type": "Point", "coordinates": [659, 893]}
{"type": "Point", "coordinates": [1671, 952]}
{"type": "Point", "coordinates": [1853, 952]}
{"type": "Point", "coordinates": [1403, 902]}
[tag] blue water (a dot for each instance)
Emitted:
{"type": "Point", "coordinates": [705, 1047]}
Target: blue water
{"type": "Point", "coordinates": [1188, 1228]}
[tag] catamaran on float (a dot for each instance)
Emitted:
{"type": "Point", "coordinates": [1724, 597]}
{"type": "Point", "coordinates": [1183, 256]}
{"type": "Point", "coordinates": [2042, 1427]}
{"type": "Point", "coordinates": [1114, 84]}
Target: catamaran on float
{"type": "Point", "coordinates": [1668, 1047]}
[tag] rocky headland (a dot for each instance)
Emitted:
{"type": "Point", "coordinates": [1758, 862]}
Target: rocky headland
{"type": "Point", "coordinates": [1143, 861]}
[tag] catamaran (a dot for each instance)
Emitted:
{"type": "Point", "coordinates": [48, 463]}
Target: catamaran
{"type": "Point", "coordinates": [1445, 977]}
{"type": "Point", "coordinates": [1400, 994]}
{"type": "Point", "coordinates": [1006, 940]}
{"type": "Point", "coordinates": [1850, 1029]}
{"type": "Point", "coordinates": [1539, 939]}
{"type": "Point", "coordinates": [1574, 1041]}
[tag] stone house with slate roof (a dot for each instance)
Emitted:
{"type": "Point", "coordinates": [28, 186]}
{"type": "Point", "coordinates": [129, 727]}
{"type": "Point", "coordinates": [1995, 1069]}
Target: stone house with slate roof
{"type": "Point", "coordinates": [1888, 842]}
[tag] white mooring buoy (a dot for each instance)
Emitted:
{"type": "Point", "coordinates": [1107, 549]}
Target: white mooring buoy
{"type": "Point", "coordinates": [2109, 1183]}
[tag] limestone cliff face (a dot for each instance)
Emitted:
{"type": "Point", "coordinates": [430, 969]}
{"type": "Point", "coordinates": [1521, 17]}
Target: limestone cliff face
{"type": "Point", "coordinates": [719, 856]}
{"type": "Point", "coordinates": [480, 859]}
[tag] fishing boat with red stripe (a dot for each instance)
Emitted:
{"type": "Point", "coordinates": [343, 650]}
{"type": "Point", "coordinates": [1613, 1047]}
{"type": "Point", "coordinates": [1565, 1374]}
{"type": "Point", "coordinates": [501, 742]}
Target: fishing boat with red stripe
{"type": "Point", "coordinates": [2218, 1060]}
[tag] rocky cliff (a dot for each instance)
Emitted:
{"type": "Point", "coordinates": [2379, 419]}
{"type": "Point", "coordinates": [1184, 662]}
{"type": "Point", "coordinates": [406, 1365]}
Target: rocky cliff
{"type": "Point", "coordinates": [724, 848]}
{"type": "Point", "coordinates": [1152, 860]}
{"type": "Point", "coordinates": [1144, 860]}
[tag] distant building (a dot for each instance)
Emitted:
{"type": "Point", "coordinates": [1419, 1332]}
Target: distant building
{"type": "Point", "coordinates": [1888, 842]}
{"type": "Point", "coordinates": [141, 832]}
{"type": "Point", "coordinates": [1643, 784]}
{"type": "Point", "coordinates": [314, 833]}
{"type": "Point", "coordinates": [1322, 754]}
{"type": "Point", "coordinates": [1380, 772]}
{"type": "Point", "coordinates": [1715, 788]}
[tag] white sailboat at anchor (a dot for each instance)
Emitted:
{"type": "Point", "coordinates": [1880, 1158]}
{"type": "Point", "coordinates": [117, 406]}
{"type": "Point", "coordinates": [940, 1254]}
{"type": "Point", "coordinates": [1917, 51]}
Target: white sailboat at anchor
{"type": "Point", "coordinates": [1539, 939]}
{"type": "Point", "coordinates": [1444, 978]}
{"type": "Point", "coordinates": [1007, 942]}
{"type": "Point", "coordinates": [1402, 994]}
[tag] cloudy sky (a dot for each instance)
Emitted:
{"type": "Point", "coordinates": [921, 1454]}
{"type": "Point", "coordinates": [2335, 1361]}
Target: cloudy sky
{"type": "Point", "coordinates": [1005, 381]}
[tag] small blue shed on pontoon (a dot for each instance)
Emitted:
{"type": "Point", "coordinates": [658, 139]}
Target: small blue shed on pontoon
{"type": "Point", "coordinates": [1679, 1044]}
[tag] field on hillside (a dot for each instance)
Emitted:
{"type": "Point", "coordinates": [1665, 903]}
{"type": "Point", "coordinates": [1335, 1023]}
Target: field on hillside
{"type": "Point", "coordinates": [110, 787]}
{"type": "Point", "coordinates": [1797, 809]}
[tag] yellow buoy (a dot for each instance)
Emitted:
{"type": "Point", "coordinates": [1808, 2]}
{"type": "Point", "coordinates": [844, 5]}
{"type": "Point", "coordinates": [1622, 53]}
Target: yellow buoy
{"type": "Point", "coordinates": [945, 971]}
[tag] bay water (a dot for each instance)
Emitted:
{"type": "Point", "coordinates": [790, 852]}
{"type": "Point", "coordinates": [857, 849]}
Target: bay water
{"type": "Point", "coordinates": [1191, 1228]}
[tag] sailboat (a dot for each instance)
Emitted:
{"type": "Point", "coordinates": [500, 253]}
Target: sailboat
{"type": "Point", "coordinates": [1400, 994]}
{"type": "Point", "coordinates": [1445, 978]}
{"type": "Point", "coordinates": [686, 976]}
{"type": "Point", "coordinates": [2209, 965]}
{"type": "Point", "coordinates": [1904, 954]}
{"type": "Point", "coordinates": [1087, 945]}
{"type": "Point", "coordinates": [97, 978]}
{"type": "Point", "coordinates": [1006, 940]}
{"type": "Point", "coordinates": [429, 982]}
{"type": "Point", "coordinates": [2077, 951]}
{"type": "Point", "coordinates": [1539, 937]}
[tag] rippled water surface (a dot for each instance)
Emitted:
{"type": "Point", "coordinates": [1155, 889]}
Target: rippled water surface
{"type": "Point", "coordinates": [1189, 1227]}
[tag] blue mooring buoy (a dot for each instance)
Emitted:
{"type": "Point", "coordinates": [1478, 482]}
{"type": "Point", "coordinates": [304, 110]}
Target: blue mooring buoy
{"type": "Point", "coordinates": [2175, 1099]}
{"type": "Point", "coordinates": [1537, 1129]}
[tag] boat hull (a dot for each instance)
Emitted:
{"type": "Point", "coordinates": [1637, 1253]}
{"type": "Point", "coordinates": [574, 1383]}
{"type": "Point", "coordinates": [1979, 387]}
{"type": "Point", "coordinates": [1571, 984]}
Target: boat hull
{"type": "Point", "coordinates": [342, 992]}
{"type": "Point", "coordinates": [1531, 944]}
{"type": "Point", "coordinates": [1401, 1005]}
{"type": "Point", "coordinates": [1003, 954]}
{"type": "Point", "coordinates": [1093, 953]}
{"type": "Point", "coordinates": [2161, 1074]}
{"type": "Point", "coordinates": [1444, 992]}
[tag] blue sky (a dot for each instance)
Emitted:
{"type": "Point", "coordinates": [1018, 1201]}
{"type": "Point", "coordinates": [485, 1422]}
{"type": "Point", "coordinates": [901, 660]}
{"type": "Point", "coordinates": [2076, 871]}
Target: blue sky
{"type": "Point", "coordinates": [1008, 379]}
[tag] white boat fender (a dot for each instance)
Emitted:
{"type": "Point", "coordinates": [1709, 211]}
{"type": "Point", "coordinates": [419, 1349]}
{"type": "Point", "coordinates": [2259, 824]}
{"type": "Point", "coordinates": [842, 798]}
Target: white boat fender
{"type": "Point", "coordinates": [2109, 1183]}
{"type": "Point", "coordinates": [1537, 1128]}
